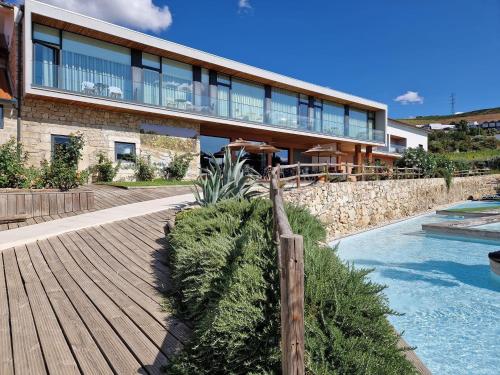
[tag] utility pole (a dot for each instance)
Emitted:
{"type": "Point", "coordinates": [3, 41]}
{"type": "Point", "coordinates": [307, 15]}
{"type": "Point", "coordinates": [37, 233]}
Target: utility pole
{"type": "Point", "coordinates": [452, 103]}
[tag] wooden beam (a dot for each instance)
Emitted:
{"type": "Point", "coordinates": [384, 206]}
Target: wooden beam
{"type": "Point", "coordinates": [292, 304]}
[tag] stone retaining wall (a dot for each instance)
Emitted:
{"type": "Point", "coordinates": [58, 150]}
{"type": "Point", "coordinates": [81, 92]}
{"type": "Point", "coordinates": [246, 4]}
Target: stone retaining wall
{"type": "Point", "coordinates": [28, 204]}
{"type": "Point", "coordinates": [348, 207]}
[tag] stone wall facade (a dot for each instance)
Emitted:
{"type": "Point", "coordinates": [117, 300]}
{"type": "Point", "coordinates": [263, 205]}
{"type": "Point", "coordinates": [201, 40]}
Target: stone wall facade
{"type": "Point", "coordinates": [101, 128]}
{"type": "Point", "coordinates": [348, 207]}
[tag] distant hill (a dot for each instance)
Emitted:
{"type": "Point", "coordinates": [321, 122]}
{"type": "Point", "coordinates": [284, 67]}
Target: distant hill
{"type": "Point", "coordinates": [481, 115]}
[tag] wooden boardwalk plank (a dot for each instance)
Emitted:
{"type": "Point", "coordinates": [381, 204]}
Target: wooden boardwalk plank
{"type": "Point", "coordinates": [104, 237]}
{"type": "Point", "coordinates": [150, 302]}
{"type": "Point", "coordinates": [28, 357]}
{"type": "Point", "coordinates": [86, 351]}
{"type": "Point", "coordinates": [6, 361]}
{"type": "Point", "coordinates": [140, 248]}
{"type": "Point", "coordinates": [57, 354]}
{"type": "Point", "coordinates": [144, 350]}
{"type": "Point", "coordinates": [114, 349]}
{"type": "Point", "coordinates": [117, 262]}
{"type": "Point", "coordinates": [159, 326]}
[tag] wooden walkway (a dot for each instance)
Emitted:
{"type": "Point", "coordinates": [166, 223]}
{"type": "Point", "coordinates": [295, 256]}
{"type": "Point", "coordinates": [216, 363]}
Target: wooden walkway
{"type": "Point", "coordinates": [107, 197]}
{"type": "Point", "coordinates": [89, 302]}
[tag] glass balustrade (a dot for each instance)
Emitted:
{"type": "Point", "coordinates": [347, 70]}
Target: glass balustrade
{"type": "Point", "coordinates": [144, 86]}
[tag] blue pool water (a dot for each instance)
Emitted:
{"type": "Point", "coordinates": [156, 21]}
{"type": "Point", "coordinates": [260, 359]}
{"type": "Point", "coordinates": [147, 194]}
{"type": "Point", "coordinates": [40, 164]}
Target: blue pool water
{"type": "Point", "coordinates": [492, 226]}
{"type": "Point", "coordinates": [445, 288]}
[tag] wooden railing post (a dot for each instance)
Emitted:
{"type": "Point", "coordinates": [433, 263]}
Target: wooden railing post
{"type": "Point", "coordinates": [291, 269]}
{"type": "Point", "coordinates": [292, 304]}
{"type": "Point", "coordinates": [297, 172]}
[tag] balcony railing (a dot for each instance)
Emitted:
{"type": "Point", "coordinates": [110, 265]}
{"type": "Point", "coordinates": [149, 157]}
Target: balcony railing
{"type": "Point", "coordinates": [143, 86]}
{"type": "Point", "coordinates": [393, 149]}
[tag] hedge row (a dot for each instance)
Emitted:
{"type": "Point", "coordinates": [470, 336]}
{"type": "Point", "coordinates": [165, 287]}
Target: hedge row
{"type": "Point", "coordinates": [226, 283]}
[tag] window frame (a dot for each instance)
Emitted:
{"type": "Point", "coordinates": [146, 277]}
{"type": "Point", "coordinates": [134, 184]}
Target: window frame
{"type": "Point", "coordinates": [53, 142]}
{"type": "Point", "coordinates": [117, 160]}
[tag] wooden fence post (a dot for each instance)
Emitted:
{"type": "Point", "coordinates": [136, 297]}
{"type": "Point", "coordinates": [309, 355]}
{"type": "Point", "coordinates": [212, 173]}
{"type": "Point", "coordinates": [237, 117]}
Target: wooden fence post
{"type": "Point", "coordinates": [297, 172]}
{"type": "Point", "coordinates": [292, 304]}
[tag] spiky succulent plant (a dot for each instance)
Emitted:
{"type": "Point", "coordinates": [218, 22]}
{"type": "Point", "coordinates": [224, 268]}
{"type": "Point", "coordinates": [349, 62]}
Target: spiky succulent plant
{"type": "Point", "coordinates": [233, 180]}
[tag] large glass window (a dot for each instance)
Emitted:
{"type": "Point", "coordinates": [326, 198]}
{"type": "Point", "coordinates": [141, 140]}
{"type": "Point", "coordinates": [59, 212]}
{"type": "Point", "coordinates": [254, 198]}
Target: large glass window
{"type": "Point", "coordinates": [177, 84]}
{"type": "Point", "coordinates": [46, 34]}
{"type": "Point", "coordinates": [46, 44]}
{"type": "Point", "coordinates": [284, 108]}
{"type": "Point", "coordinates": [151, 79]}
{"type": "Point", "coordinates": [95, 67]}
{"type": "Point", "coordinates": [210, 146]}
{"type": "Point", "coordinates": [125, 152]}
{"type": "Point", "coordinates": [333, 118]}
{"type": "Point", "coordinates": [45, 67]}
{"type": "Point", "coordinates": [223, 92]}
{"type": "Point", "coordinates": [358, 121]}
{"type": "Point", "coordinates": [304, 111]}
{"type": "Point", "coordinates": [247, 101]}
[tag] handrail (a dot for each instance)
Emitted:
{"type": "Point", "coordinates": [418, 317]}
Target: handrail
{"type": "Point", "coordinates": [356, 172]}
{"type": "Point", "coordinates": [291, 269]}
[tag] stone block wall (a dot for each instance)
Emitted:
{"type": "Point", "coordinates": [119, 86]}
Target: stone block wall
{"type": "Point", "coordinates": [9, 129]}
{"type": "Point", "coordinates": [348, 207]}
{"type": "Point", "coordinates": [101, 128]}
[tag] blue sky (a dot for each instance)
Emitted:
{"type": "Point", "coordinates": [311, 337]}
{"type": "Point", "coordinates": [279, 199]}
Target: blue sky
{"type": "Point", "coordinates": [376, 49]}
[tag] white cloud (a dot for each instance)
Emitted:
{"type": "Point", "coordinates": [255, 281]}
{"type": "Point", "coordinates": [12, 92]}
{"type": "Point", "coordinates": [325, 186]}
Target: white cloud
{"type": "Point", "coordinates": [411, 97]}
{"type": "Point", "coordinates": [137, 14]}
{"type": "Point", "coordinates": [244, 6]}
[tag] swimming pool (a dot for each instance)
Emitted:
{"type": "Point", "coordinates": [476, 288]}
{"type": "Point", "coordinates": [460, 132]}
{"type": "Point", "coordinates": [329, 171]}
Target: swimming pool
{"type": "Point", "coordinates": [450, 298]}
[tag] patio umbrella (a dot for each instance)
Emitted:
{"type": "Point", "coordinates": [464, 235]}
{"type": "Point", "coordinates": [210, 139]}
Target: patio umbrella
{"type": "Point", "coordinates": [264, 148]}
{"type": "Point", "coordinates": [239, 144]}
{"type": "Point", "coordinates": [323, 150]}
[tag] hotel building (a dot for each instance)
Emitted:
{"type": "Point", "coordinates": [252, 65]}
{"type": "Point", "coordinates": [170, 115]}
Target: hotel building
{"type": "Point", "coordinates": [131, 94]}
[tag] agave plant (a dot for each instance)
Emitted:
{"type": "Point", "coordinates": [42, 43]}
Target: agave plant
{"type": "Point", "coordinates": [233, 180]}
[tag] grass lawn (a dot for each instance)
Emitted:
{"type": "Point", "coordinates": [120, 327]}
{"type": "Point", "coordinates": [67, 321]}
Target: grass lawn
{"type": "Point", "coordinates": [473, 155]}
{"type": "Point", "coordinates": [156, 182]}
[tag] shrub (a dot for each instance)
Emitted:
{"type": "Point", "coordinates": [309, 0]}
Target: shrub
{"type": "Point", "coordinates": [12, 160]}
{"type": "Point", "coordinates": [233, 180]}
{"type": "Point", "coordinates": [144, 169]}
{"type": "Point", "coordinates": [226, 281]}
{"type": "Point", "coordinates": [104, 169]}
{"type": "Point", "coordinates": [178, 167]}
{"type": "Point", "coordinates": [62, 172]}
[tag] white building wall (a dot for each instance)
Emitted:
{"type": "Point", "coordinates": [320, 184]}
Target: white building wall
{"type": "Point", "coordinates": [414, 137]}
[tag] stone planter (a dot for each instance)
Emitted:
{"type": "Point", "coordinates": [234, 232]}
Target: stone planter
{"type": "Point", "coordinates": [18, 205]}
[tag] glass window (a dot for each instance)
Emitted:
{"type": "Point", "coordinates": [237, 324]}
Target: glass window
{"type": "Point", "coordinates": [90, 47]}
{"type": "Point", "coordinates": [151, 61]}
{"type": "Point", "coordinates": [209, 146]}
{"type": "Point", "coordinates": [284, 108]}
{"type": "Point", "coordinates": [94, 67]}
{"type": "Point", "coordinates": [223, 101]}
{"type": "Point", "coordinates": [223, 79]}
{"type": "Point", "coordinates": [59, 142]}
{"type": "Point", "coordinates": [304, 111]}
{"type": "Point", "coordinates": [247, 101]}
{"type": "Point", "coordinates": [358, 122]}
{"type": "Point", "coordinates": [333, 118]}
{"type": "Point", "coordinates": [205, 91]}
{"type": "Point", "coordinates": [125, 151]}
{"type": "Point", "coordinates": [46, 34]}
{"type": "Point", "coordinates": [281, 157]}
{"type": "Point", "coordinates": [45, 69]}
{"type": "Point", "coordinates": [177, 84]}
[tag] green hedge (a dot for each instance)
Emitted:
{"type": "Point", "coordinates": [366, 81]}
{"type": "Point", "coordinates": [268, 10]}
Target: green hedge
{"type": "Point", "coordinates": [226, 282]}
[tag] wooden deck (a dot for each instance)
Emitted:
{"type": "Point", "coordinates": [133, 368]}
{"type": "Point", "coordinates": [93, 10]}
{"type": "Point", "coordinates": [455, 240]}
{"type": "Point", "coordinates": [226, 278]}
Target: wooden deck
{"type": "Point", "coordinates": [107, 197]}
{"type": "Point", "coordinates": [89, 302]}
